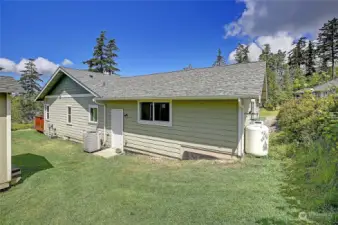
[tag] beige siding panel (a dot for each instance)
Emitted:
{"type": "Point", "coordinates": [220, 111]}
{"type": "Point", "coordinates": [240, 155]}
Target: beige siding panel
{"type": "Point", "coordinates": [3, 140]}
{"type": "Point", "coordinates": [80, 117]}
{"type": "Point", "coordinates": [204, 124]}
{"type": "Point", "coordinates": [67, 86]}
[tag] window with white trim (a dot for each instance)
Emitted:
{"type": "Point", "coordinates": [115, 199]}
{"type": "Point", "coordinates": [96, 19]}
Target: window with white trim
{"type": "Point", "coordinates": [47, 112]}
{"type": "Point", "coordinates": [69, 114]}
{"type": "Point", "coordinates": [93, 113]}
{"type": "Point", "coordinates": [157, 113]}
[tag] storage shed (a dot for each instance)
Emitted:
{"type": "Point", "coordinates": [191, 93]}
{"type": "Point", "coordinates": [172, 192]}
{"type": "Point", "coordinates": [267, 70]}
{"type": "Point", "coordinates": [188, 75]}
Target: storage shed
{"type": "Point", "coordinates": [8, 85]}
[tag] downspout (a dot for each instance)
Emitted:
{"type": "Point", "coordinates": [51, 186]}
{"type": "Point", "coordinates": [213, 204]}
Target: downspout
{"type": "Point", "coordinates": [240, 121]}
{"type": "Point", "coordinates": [104, 120]}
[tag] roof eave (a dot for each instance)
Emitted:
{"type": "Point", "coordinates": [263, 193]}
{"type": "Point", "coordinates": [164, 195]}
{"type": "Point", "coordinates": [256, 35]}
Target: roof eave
{"type": "Point", "coordinates": [224, 97]}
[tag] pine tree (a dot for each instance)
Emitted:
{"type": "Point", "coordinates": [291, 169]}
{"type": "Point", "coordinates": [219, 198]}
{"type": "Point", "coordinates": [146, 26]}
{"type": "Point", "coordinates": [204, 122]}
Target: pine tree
{"type": "Point", "coordinates": [266, 53]}
{"type": "Point", "coordinates": [220, 61]}
{"type": "Point", "coordinates": [310, 59]}
{"type": "Point", "coordinates": [104, 55]}
{"type": "Point", "coordinates": [297, 54]}
{"type": "Point", "coordinates": [98, 62]}
{"type": "Point", "coordinates": [30, 78]}
{"type": "Point", "coordinates": [242, 54]}
{"type": "Point", "coordinates": [110, 53]}
{"type": "Point", "coordinates": [328, 43]}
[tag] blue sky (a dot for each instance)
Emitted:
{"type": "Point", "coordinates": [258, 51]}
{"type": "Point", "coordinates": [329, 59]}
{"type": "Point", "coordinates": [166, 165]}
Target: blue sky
{"type": "Point", "coordinates": [152, 36]}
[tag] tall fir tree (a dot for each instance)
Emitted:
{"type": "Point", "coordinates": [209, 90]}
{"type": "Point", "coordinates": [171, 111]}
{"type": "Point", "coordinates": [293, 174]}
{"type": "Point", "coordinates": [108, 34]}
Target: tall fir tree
{"type": "Point", "coordinates": [328, 43]}
{"type": "Point", "coordinates": [266, 53]}
{"type": "Point", "coordinates": [297, 54]}
{"type": "Point", "coordinates": [30, 82]}
{"type": "Point", "coordinates": [103, 56]}
{"type": "Point", "coordinates": [110, 54]}
{"type": "Point", "coordinates": [310, 59]}
{"type": "Point", "coordinates": [242, 54]}
{"type": "Point", "coordinates": [30, 78]}
{"type": "Point", "coordinates": [220, 61]}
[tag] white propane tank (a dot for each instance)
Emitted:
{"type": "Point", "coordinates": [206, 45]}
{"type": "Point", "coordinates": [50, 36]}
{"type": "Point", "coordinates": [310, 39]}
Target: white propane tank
{"type": "Point", "coordinates": [257, 139]}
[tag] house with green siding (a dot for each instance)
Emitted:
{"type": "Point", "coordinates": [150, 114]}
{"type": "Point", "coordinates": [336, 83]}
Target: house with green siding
{"type": "Point", "coordinates": [201, 111]}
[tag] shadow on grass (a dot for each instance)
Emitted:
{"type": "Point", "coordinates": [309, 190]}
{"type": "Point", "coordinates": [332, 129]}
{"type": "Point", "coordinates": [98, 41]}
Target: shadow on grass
{"type": "Point", "coordinates": [30, 164]}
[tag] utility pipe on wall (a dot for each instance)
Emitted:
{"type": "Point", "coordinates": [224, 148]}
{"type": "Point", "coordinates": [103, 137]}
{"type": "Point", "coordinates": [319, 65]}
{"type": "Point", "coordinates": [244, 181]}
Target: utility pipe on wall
{"type": "Point", "coordinates": [104, 120]}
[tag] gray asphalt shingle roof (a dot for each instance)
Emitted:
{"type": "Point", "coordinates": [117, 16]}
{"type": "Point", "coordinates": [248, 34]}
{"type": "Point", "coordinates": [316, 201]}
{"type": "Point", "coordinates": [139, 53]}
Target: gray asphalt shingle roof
{"type": "Point", "coordinates": [322, 87]}
{"type": "Point", "coordinates": [238, 80]}
{"type": "Point", "coordinates": [9, 85]}
{"type": "Point", "coordinates": [327, 85]}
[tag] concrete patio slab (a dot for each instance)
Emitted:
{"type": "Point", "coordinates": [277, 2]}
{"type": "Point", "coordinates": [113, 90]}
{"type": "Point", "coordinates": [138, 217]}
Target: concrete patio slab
{"type": "Point", "coordinates": [106, 153]}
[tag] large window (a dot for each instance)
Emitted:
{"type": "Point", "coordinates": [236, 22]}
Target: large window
{"type": "Point", "coordinates": [69, 114]}
{"type": "Point", "coordinates": [47, 112]}
{"type": "Point", "coordinates": [93, 113]}
{"type": "Point", "coordinates": [157, 113]}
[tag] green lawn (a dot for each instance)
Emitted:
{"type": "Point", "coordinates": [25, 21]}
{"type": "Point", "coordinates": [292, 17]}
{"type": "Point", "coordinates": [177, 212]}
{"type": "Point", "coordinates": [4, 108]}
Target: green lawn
{"type": "Point", "coordinates": [264, 113]}
{"type": "Point", "coordinates": [63, 185]}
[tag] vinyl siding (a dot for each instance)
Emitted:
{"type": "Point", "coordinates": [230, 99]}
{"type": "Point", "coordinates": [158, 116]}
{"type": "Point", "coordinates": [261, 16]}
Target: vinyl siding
{"type": "Point", "coordinates": [67, 86]}
{"type": "Point", "coordinates": [80, 117]}
{"type": "Point", "coordinates": [3, 140]}
{"type": "Point", "coordinates": [210, 125]}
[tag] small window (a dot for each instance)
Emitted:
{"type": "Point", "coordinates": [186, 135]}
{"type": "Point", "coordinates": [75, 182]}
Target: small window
{"type": "Point", "coordinates": [69, 114]}
{"type": "Point", "coordinates": [157, 113]}
{"type": "Point", "coordinates": [47, 112]}
{"type": "Point", "coordinates": [93, 113]}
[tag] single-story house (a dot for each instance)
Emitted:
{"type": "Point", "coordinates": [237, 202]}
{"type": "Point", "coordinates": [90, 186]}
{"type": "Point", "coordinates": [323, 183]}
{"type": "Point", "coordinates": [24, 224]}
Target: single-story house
{"type": "Point", "coordinates": [321, 90]}
{"type": "Point", "coordinates": [8, 85]}
{"type": "Point", "coordinates": [200, 110]}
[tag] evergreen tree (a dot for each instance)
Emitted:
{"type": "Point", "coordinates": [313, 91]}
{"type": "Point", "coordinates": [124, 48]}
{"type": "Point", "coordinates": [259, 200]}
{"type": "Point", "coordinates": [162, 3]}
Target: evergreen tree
{"type": "Point", "coordinates": [266, 53]}
{"type": "Point", "coordinates": [110, 53]}
{"type": "Point", "coordinates": [310, 59]}
{"type": "Point", "coordinates": [30, 78]}
{"type": "Point", "coordinates": [287, 85]}
{"type": "Point", "coordinates": [220, 61]}
{"type": "Point", "coordinates": [242, 54]}
{"type": "Point", "coordinates": [104, 55]}
{"type": "Point", "coordinates": [328, 43]}
{"type": "Point", "coordinates": [297, 54]}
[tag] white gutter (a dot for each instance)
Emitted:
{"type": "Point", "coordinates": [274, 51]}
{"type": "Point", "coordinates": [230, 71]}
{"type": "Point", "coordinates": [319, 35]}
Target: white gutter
{"type": "Point", "coordinates": [240, 132]}
{"type": "Point", "coordinates": [178, 98]}
{"type": "Point", "coordinates": [104, 119]}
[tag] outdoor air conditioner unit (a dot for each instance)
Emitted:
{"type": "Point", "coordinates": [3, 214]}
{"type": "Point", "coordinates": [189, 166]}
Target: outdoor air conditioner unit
{"type": "Point", "coordinates": [91, 141]}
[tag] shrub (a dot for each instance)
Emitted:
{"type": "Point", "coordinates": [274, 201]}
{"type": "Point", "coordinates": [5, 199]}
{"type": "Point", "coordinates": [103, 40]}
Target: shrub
{"type": "Point", "coordinates": [304, 120]}
{"type": "Point", "coordinates": [309, 138]}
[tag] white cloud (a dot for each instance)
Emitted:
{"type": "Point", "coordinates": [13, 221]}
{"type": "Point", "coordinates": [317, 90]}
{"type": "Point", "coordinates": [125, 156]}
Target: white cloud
{"type": "Point", "coordinates": [67, 62]}
{"type": "Point", "coordinates": [43, 66]}
{"type": "Point", "coordinates": [8, 65]}
{"type": "Point", "coordinates": [269, 17]}
{"type": "Point", "coordinates": [282, 41]}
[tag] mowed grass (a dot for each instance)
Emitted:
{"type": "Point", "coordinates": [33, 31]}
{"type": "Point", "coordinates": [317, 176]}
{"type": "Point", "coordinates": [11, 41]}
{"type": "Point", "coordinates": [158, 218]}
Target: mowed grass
{"type": "Point", "coordinates": [63, 185]}
{"type": "Point", "coordinates": [265, 113]}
